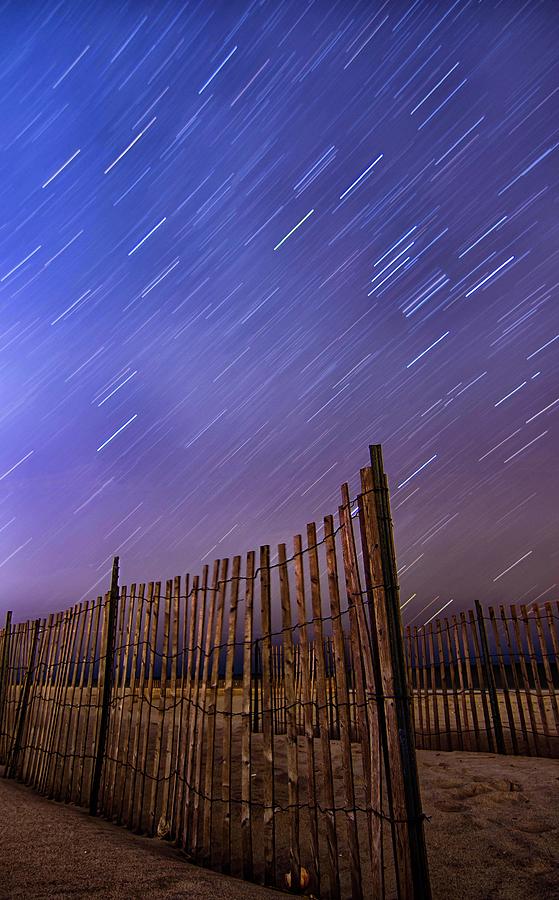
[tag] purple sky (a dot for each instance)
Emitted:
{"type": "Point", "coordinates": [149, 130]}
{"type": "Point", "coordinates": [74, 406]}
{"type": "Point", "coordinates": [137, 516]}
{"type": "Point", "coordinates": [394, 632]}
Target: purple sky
{"type": "Point", "coordinates": [239, 243]}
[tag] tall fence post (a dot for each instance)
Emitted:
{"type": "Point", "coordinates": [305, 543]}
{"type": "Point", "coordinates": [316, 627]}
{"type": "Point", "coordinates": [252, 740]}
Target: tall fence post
{"type": "Point", "coordinates": [106, 677]}
{"type": "Point", "coordinates": [4, 670]}
{"type": "Point", "coordinates": [13, 753]}
{"type": "Point", "coordinates": [413, 878]}
{"type": "Point", "coordinates": [490, 680]}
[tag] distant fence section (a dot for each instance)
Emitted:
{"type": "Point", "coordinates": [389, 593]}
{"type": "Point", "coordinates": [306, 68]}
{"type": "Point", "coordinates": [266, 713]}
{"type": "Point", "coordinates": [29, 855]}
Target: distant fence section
{"type": "Point", "coordinates": [485, 680]}
{"type": "Point", "coordinates": [257, 716]}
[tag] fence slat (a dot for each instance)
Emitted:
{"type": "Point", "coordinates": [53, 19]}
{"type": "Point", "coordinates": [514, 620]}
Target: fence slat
{"type": "Point", "coordinates": [75, 708]}
{"type": "Point", "coordinates": [178, 749]}
{"type": "Point", "coordinates": [452, 676]}
{"type": "Point", "coordinates": [434, 694]}
{"type": "Point", "coordinates": [444, 688]}
{"type": "Point", "coordinates": [342, 703]}
{"type": "Point", "coordinates": [291, 723]}
{"type": "Point", "coordinates": [36, 704]}
{"type": "Point", "coordinates": [110, 768]}
{"type": "Point", "coordinates": [267, 721]}
{"type": "Point", "coordinates": [4, 679]}
{"type": "Point", "coordinates": [423, 673]}
{"type": "Point", "coordinates": [91, 650]}
{"type": "Point", "coordinates": [212, 713]}
{"type": "Point", "coordinates": [169, 779]}
{"type": "Point", "coordinates": [458, 657]}
{"type": "Point", "coordinates": [129, 808]}
{"type": "Point", "coordinates": [154, 597]}
{"type": "Point", "coordinates": [195, 844]}
{"type": "Point", "coordinates": [12, 644]}
{"type": "Point", "coordinates": [246, 740]}
{"type": "Point", "coordinates": [307, 703]}
{"type": "Point", "coordinates": [415, 679]}
{"type": "Point", "coordinates": [105, 686]}
{"type": "Point", "coordinates": [161, 726]}
{"type": "Point", "coordinates": [16, 641]}
{"type": "Point", "coordinates": [228, 719]}
{"type": "Point", "coordinates": [410, 670]}
{"type": "Point", "coordinates": [191, 672]}
{"type": "Point", "coordinates": [128, 731]}
{"type": "Point", "coordinates": [168, 687]}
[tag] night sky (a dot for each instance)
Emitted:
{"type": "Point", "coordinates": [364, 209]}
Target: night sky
{"type": "Point", "coordinates": [239, 243]}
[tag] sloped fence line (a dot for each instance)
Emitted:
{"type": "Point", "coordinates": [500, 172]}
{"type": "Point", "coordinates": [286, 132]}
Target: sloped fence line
{"type": "Point", "coordinates": [157, 706]}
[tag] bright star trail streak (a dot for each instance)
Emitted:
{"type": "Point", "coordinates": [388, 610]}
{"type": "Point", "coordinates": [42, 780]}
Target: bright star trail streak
{"type": "Point", "coordinates": [526, 555]}
{"type": "Point", "coordinates": [439, 611]}
{"type": "Point", "coordinates": [304, 219]}
{"type": "Point", "coordinates": [219, 68]}
{"type": "Point", "coordinates": [361, 177]}
{"type": "Point", "coordinates": [417, 471]}
{"type": "Point", "coordinates": [422, 354]}
{"type": "Point", "coordinates": [129, 147]}
{"type": "Point", "coordinates": [139, 244]}
{"type": "Point", "coordinates": [240, 242]}
{"type": "Point", "coordinates": [61, 169]}
{"type": "Point", "coordinates": [112, 437]}
{"type": "Point", "coordinates": [22, 460]}
{"type": "Point", "coordinates": [21, 263]}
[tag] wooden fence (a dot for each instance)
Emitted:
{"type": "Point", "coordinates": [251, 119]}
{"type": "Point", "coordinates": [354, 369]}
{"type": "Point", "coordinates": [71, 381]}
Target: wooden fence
{"type": "Point", "coordinates": [484, 681]}
{"type": "Point", "coordinates": [487, 681]}
{"type": "Point", "coordinates": [159, 707]}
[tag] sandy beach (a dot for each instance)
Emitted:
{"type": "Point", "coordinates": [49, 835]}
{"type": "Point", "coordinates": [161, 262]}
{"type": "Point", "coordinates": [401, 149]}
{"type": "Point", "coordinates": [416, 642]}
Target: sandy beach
{"type": "Point", "coordinates": [494, 827]}
{"type": "Point", "coordinates": [493, 834]}
{"type": "Point", "coordinates": [53, 851]}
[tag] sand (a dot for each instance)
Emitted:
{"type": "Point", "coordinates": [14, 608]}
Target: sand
{"type": "Point", "coordinates": [49, 850]}
{"type": "Point", "coordinates": [493, 835]}
{"type": "Point", "coordinates": [494, 829]}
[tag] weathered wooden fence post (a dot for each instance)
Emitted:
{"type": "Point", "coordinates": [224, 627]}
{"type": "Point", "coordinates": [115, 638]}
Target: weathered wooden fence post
{"type": "Point", "coordinates": [13, 753]}
{"type": "Point", "coordinates": [105, 683]}
{"type": "Point", "coordinates": [490, 680]}
{"type": "Point", "coordinates": [4, 680]}
{"type": "Point", "coordinates": [411, 853]}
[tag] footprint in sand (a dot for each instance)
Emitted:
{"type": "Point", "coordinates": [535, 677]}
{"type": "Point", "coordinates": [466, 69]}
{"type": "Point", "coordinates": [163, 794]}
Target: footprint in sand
{"type": "Point", "coordinates": [495, 788]}
{"type": "Point", "coordinates": [473, 790]}
{"type": "Point", "coordinates": [451, 807]}
{"type": "Point", "coordinates": [500, 797]}
{"type": "Point", "coordinates": [534, 827]}
{"type": "Point", "coordinates": [450, 785]}
{"type": "Point", "coordinates": [507, 786]}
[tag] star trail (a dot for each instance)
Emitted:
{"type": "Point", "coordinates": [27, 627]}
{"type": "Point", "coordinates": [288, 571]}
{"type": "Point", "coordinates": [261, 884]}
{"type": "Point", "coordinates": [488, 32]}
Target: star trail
{"type": "Point", "coordinates": [241, 241]}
